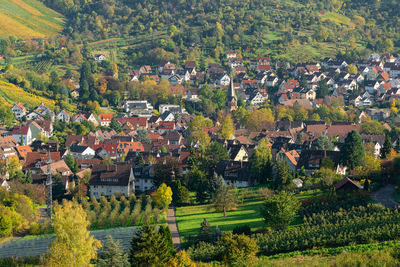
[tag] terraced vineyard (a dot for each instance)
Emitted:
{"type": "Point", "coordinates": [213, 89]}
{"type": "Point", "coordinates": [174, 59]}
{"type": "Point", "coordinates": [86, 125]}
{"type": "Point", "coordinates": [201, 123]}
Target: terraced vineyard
{"type": "Point", "coordinates": [38, 245]}
{"type": "Point", "coordinates": [11, 94]}
{"type": "Point", "coordinates": [29, 18]}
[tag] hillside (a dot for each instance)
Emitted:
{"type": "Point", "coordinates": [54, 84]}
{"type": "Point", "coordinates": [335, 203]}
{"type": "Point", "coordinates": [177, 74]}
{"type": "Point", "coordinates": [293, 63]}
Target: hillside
{"type": "Point", "coordinates": [291, 29]}
{"type": "Point", "coordinates": [28, 19]}
{"type": "Point", "coordinates": [12, 94]}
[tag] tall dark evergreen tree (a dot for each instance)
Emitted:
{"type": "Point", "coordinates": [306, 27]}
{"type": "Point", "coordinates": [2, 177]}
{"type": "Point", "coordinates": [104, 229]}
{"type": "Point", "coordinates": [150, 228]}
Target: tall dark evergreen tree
{"type": "Point", "coordinates": [352, 153]}
{"type": "Point", "coordinates": [387, 147]}
{"type": "Point", "coordinates": [149, 247]}
{"type": "Point", "coordinates": [323, 89]}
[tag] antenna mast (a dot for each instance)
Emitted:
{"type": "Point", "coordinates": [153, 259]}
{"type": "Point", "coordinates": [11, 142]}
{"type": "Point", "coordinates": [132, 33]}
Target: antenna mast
{"type": "Point", "coordinates": [49, 188]}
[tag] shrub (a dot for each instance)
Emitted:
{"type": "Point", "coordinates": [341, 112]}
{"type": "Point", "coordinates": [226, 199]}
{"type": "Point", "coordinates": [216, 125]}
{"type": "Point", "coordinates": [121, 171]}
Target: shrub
{"type": "Point", "coordinates": [244, 229]}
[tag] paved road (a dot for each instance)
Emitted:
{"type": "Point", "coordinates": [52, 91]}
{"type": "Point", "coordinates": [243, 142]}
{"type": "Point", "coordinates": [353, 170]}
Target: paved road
{"type": "Point", "coordinates": [385, 196]}
{"type": "Point", "coordinates": [171, 220]}
{"type": "Point", "coordinates": [37, 246]}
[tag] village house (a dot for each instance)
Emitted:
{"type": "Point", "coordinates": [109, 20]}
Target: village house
{"type": "Point", "coordinates": [19, 110]}
{"type": "Point", "coordinates": [81, 152]}
{"type": "Point", "coordinates": [105, 119]}
{"type": "Point", "coordinates": [64, 116]}
{"type": "Point", "coordinates": [22, 134]}
{"type": "Point", "coordinates": [111, 179]}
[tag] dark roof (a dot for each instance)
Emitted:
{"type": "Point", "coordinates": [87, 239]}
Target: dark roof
{"type": "Point", "coordinates": [112, 175]}
{"type": "Point", "coordinates": [347, 181]}
{"type": "Point", "coordinates": [78, 148]}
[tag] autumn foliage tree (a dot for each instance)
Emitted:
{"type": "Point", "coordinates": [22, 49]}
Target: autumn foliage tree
{"type": "Point", "coordinates": [74, 246]}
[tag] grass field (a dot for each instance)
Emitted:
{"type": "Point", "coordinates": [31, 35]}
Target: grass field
{"type": "Point", "coordinates": [28, 18]}
{"type": "Point", "coordinates": [11, 94]}
{"type": "Point", "coordinates": [189, 218]}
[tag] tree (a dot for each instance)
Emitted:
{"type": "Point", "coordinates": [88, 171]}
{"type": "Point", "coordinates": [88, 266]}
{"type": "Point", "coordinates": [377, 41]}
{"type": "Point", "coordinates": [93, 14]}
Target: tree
{"type": "Point", "coordinates": [168, 171]}
{"type": "Point", "coordinates": [163, 196]}
{"type": "Point", "coordinates": [256, 120]}
{"type": "Point", "coordinates": [225, 199]}
{"type": "Point", "coordinates": [74, 246]}
{"type": "Point", "coordinates": [72, 163]}
{"type": "Point", "coordinates": [387, 147]}
{"type": "Point", "coordinates": [323, 143]}
{"type": "Point", "coordinates": [352, 152]}
{"type": "Point", "coordinates": [205, 231]}
{"type": "Point", "coordinates": [372, 127]}
{"type": "Point", "coordinates": [180, 193]}
{"type": "Point", "coordinates": [112, 254]}
{"type": "Point", "coordinates": [214, 153]}
{"type": "Point", "coordinates": [323, 89]}
{"type": "Point", "coordinates": [238, 250]}
{"type": "Point", "coordinates": [149, 247]}
{"type": "Point", "coordinates": [261, 162]}
{"type": "Point", "coordinates": [279, 210]}
{"type": "Point", "coordinates": [115, 125]}
{"type": "Point", "coordinates": [143, 136]}
{"type": "Point", "coordinates": [326, 177]}
{"type": "Point", "coordinates": [181, 259]}
{"type": "Point", "coordinates": [6, 115]}
{"type": "Point", "coordinates": [352, 69]}
{"type": "Point", "coordinates": [227, 128]}
{"type": "Point", "coordinates": [283, 174]}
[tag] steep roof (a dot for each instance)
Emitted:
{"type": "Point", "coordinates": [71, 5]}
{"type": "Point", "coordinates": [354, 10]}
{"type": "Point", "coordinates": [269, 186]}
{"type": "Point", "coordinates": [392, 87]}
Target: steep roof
{"type": "Point", "coordinates": [23, 150]}
{"type": "Point", "coordinates": [110, 175]}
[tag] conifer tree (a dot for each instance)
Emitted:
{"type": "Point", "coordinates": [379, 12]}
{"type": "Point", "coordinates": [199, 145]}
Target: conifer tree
{"type": "Point", "coordinates": [352, 153]}
{"type": "Point", "coordinates": [149, 247]}
{"type": "Point", "coordinates": [112, 255]}
{"type": "Point", "coordinates": [387, 147]}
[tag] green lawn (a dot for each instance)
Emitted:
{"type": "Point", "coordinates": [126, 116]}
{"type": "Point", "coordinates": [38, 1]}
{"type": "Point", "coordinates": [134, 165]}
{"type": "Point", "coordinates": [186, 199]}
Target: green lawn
{"type": "Point", "coordinates": [189, 218]}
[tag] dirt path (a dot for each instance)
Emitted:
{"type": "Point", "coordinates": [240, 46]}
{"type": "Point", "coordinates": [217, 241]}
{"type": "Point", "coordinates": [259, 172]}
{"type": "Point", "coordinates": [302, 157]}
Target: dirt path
{"type": "Point", "coordinates": [385, 196]}
{"type": "Point", "coordinates": [171, 220]}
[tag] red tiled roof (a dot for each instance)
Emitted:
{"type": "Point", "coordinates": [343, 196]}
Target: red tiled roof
{"type": "Point", "coordinates": [109, 148]}
{"type": "Point", "coordinates": [106, 117]}
{"type": "Point", "coordinates": [130, 146]}
{"type": "Point", "coordinates": [134, 121]}
{"type": "Point", "coordinates": [23, 150]}
{"type": "Point", "coordinates": [20, 130]}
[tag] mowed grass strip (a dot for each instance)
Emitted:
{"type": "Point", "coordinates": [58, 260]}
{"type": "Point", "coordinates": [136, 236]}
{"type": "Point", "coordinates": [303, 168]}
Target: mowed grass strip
{"type": "Point", "coordinates": [189, 218]}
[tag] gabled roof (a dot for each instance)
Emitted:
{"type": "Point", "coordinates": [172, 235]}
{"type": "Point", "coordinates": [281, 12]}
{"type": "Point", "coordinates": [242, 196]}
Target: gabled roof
{"type": "Point", "coordinates": [110, 175]}
{"type": "Point", "coordinates": [20, 130]}
{"type": "Point", "coordinates": [23, 150]}
{"type": "Point", "coordinates": [106, 117]}
{"type": "Point", "coordinates": [33, 157]}
{"type": "Point", "coordinates": [345, 181]}
{"type": "Point", "coordinates": [20, 106]}
{"type": "Point", "coordinates": [78, 148]}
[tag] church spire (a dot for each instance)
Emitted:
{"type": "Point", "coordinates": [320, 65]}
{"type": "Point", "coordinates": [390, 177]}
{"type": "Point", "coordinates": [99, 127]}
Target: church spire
{"type": "Point", "coordinates": [231, 99]}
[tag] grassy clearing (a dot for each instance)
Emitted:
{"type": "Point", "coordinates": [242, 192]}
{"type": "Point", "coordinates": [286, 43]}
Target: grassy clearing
{"type": "Point", "coordinates": [189, 218]}
{"type": "Point", "coordinates": [29, 18]}
{"type": "Point", "coordinates": [337, 18]}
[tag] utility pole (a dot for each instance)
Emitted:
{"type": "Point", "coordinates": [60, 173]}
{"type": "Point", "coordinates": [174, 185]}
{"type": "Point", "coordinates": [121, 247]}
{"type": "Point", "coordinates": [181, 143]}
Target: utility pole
{"type": "Point", "coordinates": [49, 188]}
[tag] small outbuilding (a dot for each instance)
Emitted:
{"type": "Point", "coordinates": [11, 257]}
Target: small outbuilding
{"type": "Point", "coordinates": [347, 185]}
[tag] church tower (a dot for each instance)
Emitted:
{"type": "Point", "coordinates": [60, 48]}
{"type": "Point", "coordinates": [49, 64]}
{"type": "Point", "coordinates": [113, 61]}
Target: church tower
{"type": "Point", "coordinates": [231, 99]}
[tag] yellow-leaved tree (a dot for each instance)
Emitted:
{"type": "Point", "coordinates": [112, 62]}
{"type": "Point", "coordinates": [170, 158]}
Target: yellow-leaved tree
{"type": "Point", "coordinates": [73, 245]}
{"type": "Point", "coordinates": [163, 196]}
